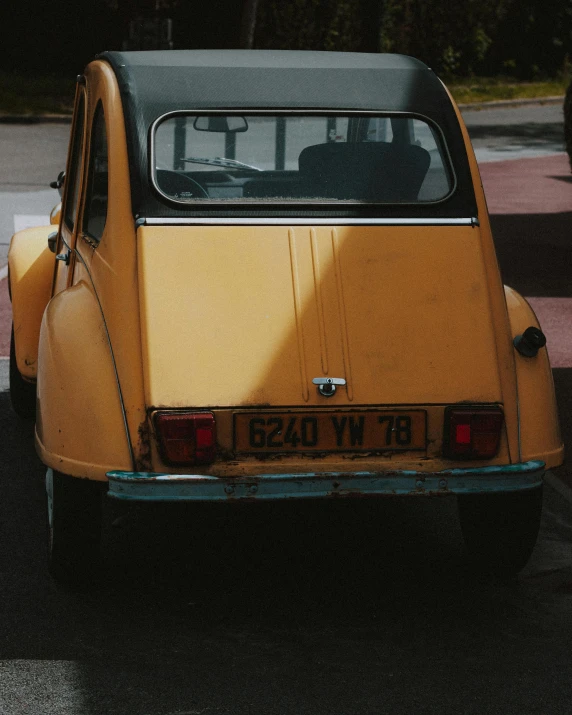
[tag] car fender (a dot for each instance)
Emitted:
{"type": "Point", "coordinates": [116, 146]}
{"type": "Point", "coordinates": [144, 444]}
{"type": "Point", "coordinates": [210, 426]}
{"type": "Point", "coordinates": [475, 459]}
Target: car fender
{"type": "Point", "coordinates": [31, 270]}
{"type": "Point", "coordinates": [80, 423]}
{"type": "Point", "coordinates": [538, 414]}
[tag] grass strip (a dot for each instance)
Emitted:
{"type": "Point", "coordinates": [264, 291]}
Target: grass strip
{"type": "Point", "coordinates": [485, 89]}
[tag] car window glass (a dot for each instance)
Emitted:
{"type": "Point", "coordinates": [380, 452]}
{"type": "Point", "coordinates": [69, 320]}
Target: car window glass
{"type": "Point", "coordinates": [300, 158]}
{"type": "Point", "coordinates": [74, 174]}
{"type": "Point", "coordinates": [95, 212]}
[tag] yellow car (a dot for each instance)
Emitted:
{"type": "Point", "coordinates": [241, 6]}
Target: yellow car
{"type": "Point", "coordinates": [274, 278]}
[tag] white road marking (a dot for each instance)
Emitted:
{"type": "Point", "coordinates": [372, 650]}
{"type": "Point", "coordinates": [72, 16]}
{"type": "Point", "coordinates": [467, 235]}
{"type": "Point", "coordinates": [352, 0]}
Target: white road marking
{"type": "Point", "coordinates": [22, 221]}
{"type": "Point", "coordinates": [3, 272]}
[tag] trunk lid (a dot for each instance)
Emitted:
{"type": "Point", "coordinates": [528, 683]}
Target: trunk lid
{"type": "Point", "coordinates": [242, 316]}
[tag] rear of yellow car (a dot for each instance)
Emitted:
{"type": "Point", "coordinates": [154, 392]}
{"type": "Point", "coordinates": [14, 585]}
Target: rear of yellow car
{"type": "Point", "coordinates": [307, 303]}
{"type": "Point", "coordinates": [287, 362]}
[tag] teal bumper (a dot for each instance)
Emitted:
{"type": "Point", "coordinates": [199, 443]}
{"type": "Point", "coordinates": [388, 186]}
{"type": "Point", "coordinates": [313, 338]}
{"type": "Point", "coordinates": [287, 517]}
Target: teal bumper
{"type": "Point", "coordinates": [150, 486]}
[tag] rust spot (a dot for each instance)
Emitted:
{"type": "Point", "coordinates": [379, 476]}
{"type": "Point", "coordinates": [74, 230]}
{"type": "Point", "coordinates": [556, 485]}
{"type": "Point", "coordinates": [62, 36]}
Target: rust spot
{"type": "Point", "coordinates": [143, 448]}
{"type": "Point", "coordinates": [225, 455]}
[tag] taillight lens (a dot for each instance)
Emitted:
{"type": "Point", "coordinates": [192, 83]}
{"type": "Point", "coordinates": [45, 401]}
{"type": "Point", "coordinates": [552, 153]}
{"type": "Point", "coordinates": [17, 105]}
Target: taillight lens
{"type": "Point", "coordinates": [186, 437]}
{"type": "Point", "coordinates": [472, 433]}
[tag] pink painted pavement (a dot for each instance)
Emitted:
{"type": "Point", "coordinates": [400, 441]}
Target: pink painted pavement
{"type": "Point", "coordinates": [538, 188]}
{"type": "Point", "coordinates": [528, 186]}
{"type": "Point", "coordinates": [555, 317]}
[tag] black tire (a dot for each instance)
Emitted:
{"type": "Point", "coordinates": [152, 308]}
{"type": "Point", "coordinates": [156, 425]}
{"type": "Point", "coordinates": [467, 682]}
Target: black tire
{"type": "Point", "coordinates": [500, 530]}
{"type": "Point", "coordinates": [22, 392]}
{"type": "Point", "coordinates": [74, 529]}
{"type": "Point", "coordinates": [568, 122]}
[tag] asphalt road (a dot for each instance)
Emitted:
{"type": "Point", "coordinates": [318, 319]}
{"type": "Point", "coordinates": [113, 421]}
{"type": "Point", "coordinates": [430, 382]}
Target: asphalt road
{"type": "Point", "coordinates": [516, 132]}
{"type": "Point", "coordinates": [337, 609]}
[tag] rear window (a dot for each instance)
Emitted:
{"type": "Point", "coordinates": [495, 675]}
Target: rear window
{"type": "Point", "coordinates": [277, 158]}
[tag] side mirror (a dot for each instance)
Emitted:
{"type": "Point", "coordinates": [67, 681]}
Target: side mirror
{"type": "Point", "coordinates": [52, 241]}
{"type": "Point", "coordinates": [55, 214]}
{"type": "Point", "coordinates": [59, 183]}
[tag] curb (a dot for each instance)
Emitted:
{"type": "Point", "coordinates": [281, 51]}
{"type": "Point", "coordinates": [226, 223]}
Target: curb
{"type": "Point", "coordinates": [35, 118]}
{"type": "Point", "coordinates": [501, 103]}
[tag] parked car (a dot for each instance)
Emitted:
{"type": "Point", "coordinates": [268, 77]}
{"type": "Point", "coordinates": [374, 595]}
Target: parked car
{"type": "Point", "coordinates": [274, 278]}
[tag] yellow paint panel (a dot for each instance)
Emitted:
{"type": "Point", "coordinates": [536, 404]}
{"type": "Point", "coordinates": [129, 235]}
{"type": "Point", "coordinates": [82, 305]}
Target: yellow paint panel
{"type": "Point", "coordinates": [214, 308]}
{"type": "Point", "coordinates": [249, 315]}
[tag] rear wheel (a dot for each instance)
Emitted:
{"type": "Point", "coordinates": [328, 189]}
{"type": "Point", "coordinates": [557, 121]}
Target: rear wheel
{"type": "Point", "coordinates": [74, 529]}
{"type": "Point", "coordinates": [22, 392]}
{"type": "Point", "coordinates": [500, 530]}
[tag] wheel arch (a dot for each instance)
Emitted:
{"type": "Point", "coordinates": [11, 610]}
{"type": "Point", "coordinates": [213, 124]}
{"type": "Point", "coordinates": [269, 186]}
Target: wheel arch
{"type": "Point", "coordinates": [80, 423]}
{"type": "Point", "coordinates": [538, 414]}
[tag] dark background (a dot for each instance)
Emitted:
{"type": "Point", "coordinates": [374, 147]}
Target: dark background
{"type": "Point", "coordinates": [62, 36]}
{"type": "Point", "coordinates": [526, 39]}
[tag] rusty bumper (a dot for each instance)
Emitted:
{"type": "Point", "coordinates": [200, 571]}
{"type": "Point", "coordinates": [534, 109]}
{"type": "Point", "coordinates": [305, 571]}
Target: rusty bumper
{"type": "Point", "coordinates": [149, 486]}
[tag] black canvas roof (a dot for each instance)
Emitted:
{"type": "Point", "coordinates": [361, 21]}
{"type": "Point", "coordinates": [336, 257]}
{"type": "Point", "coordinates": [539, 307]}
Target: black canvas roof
{"type": "Point", "coordinates": [156, 82]}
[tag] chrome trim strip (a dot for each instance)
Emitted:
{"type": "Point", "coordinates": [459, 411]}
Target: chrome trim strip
{"type": "Point", "coordinates": [146, 486]}
{"type": "Point", "coordinates": [308, 221]}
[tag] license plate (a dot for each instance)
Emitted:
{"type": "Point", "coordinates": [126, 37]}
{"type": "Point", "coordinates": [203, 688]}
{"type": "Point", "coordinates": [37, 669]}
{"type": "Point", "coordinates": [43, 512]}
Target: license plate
{"type": "Point", "coordinates": [336, 431]}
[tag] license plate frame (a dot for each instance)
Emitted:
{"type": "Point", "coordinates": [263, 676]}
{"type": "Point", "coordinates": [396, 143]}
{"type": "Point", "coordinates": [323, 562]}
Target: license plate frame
{"type": "Point", "coordinates": [329, 431]}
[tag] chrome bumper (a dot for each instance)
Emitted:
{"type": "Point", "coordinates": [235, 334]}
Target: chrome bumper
{"type": "Point", "coordinates": [149, 486]}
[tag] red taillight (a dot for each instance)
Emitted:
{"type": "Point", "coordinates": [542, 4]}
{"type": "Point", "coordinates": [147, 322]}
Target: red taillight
{"type": "Point", "coordinates": [472, 433]}
{"type": "Point", "coordinates": [186, 437]}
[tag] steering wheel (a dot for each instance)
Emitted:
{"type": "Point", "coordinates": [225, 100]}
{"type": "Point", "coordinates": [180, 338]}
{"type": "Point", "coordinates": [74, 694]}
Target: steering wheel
{"type": "Point", "coordinates": [179, 186]}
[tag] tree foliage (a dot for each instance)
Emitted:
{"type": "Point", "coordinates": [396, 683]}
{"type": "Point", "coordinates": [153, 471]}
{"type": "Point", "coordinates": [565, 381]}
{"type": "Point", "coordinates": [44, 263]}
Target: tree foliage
{"type": "Point", "coordinates": [343, 25]}
{"type": "Point", "coordinates": [526, 38]}
{"type": "Point", "coordinates": [536, 39]}
{"type": "Point", "coordinates": [452, 37]}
